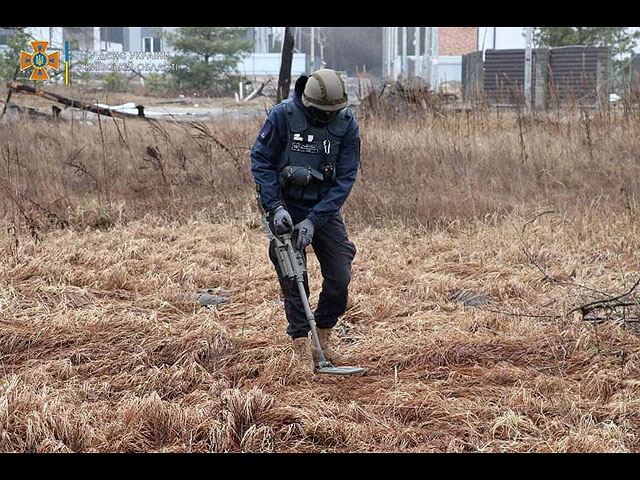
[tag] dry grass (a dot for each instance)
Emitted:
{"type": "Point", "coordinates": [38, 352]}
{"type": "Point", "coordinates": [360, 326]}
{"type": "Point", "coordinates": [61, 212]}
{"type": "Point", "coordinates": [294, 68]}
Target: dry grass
{"type": "Point", "coordinates": [99, 351]}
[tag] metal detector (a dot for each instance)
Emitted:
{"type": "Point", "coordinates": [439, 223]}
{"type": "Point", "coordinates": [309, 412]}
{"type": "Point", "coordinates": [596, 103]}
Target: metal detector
{"type": "Point", "coordinates": [293, 266]}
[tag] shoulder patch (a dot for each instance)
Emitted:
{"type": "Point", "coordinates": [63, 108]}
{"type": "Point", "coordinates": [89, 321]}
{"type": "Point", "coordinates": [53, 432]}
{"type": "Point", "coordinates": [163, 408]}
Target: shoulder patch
{"type": "Point", "coordinates": [265, 133]}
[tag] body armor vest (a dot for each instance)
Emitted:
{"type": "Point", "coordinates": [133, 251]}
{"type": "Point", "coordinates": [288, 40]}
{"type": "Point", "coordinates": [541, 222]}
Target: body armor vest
{"type": "Point", "coordinates": [307, 165]}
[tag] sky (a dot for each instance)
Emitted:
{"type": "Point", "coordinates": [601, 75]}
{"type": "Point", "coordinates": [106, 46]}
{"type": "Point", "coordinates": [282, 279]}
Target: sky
{"type": "Point", "coordinates": [506, 37]}
{"type": "Point", "coordinates": [509, 37]}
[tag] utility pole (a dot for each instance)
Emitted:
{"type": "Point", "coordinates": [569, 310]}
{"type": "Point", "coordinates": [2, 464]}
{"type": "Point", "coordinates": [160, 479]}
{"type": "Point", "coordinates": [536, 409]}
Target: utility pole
{"type": "Point", "coordinates": [313, 49]}
{"type": "Point", "coordinates": [394, 53]}
{"type": "Point", "coordinates": [297, 38]}
{"type": "Point", "coordinates": [387, 51]}
{"type": "Point", "coordinates": [427, 54]}
{"type": "Point", "coordinates": [393, 49]}
{"type": "Point", "coordinates": [527, 72]}
{"type": "Point", "coordinates": [434, 58]}
{"type": "Point", "coordinates": [405, 72]}
{"type": "Point", "coordinates": [321, 40]}
{"type": "Point", "coordinates": [384, 51]}
{"type": "Point", "coordinates": [417, 70]}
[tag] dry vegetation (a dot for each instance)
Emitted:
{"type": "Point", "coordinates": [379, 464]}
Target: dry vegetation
{"type": "Point", "coordinates": [107, 229]}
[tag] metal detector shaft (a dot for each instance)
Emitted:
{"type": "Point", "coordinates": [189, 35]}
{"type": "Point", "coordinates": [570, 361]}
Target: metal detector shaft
{"type": "Point", "coordinates": [293, 266]}
{"type": "Point", "coordinates": [322, 361]}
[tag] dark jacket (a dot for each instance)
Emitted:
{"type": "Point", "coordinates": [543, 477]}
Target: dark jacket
{"type": "Point", "coordinates": [266, 151]}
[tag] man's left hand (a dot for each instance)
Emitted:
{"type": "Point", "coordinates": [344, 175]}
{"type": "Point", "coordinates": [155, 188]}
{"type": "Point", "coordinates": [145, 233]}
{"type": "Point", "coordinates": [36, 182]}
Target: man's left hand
{"type": "Point", "coordinates": [304, 231]}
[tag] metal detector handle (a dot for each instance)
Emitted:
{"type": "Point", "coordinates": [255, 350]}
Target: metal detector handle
{"type": "Point", "coordinates": [293, 265]}
{"type": "Point", "coordinates": [287, 268]}
{"type": "Point", "coordinates": [298, 263]}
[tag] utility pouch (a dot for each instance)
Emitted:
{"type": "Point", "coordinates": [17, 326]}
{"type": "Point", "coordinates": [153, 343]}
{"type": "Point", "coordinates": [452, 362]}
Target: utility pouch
{"type": "Point", "coordinates": [328, 171]}
{"type": "Point", "coordinates": [299, 176]}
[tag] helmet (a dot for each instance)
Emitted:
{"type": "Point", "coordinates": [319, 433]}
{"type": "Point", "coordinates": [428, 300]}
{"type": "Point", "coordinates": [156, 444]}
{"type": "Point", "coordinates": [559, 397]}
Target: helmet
{"type": "Point", "coordinates": [325, 90]}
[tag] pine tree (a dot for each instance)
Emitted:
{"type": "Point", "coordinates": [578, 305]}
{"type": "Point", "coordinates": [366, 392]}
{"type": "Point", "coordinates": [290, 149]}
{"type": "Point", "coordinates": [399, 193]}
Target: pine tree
{"type": "Point", "coordinates": [207, 55]}
{"type": "Point", "coordinates": [10, 58]}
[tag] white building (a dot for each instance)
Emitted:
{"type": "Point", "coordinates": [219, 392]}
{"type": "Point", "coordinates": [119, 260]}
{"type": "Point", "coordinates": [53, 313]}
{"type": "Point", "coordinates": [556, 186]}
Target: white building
{"type": "Point", "coordinates": [263, 61]}
{"type": "Point", "coordinates": [133, 39]}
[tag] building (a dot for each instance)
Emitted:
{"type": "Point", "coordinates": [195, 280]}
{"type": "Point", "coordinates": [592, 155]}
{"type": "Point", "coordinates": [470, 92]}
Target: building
{"type": "Point", "coordinates": [455, 41]}
{"type": "Point", "coordinates": [135, 39]}
{"type": "Point", "coordinates": [432, 53]}
{"type": "Point", "coordinates": [128, 39]}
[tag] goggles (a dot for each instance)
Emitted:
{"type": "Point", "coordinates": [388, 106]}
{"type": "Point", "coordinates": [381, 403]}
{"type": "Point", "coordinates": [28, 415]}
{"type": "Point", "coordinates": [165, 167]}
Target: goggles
{"type": "Point", "coordinates": [321, 116]}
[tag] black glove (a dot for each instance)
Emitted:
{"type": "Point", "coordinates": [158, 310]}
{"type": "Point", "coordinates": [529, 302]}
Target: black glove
{"type": "Point", "coordinates": [305, 231]}
{"type": "Point", "coordinates": [282, 222]}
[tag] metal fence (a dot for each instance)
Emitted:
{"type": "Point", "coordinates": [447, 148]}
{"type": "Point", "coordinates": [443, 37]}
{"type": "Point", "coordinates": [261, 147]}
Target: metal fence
{"type": "Point", "coordinates": [559, 75]}
{"type": "Point", "coordinates": [580, 74]}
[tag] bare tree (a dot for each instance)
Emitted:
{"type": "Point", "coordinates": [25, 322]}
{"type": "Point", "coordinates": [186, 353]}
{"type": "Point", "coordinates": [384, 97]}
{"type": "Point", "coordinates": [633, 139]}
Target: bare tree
{"type": "Point", "coordinates": [284, 80]}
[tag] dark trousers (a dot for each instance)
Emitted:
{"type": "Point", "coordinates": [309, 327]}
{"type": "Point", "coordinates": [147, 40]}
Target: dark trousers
{"type": "Point", "coordinates": [335, 252]}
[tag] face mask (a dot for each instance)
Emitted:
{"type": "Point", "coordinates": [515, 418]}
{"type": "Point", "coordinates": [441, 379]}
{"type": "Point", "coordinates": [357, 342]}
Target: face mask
{"type": "Point", "coordinates": [320, 116]}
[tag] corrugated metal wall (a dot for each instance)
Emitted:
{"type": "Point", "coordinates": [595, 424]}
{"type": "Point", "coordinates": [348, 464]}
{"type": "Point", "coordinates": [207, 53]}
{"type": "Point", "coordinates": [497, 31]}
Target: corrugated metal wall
{"type": "Point", "coordinates": [580, 74]}
{"type": "Point", "coordinates": [504, 76]}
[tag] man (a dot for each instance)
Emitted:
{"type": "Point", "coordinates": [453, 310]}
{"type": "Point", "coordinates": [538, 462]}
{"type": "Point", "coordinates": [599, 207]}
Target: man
{"type": "Point", "coordinates": [304, 163]}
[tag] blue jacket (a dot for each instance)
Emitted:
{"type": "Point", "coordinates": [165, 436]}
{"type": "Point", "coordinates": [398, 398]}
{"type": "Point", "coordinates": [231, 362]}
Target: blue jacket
{"type": "Point", "coordinates": [266, 151]}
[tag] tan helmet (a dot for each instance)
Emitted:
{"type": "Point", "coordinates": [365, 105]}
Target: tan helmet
{"type": "Point", "coordinates": [325, 90]}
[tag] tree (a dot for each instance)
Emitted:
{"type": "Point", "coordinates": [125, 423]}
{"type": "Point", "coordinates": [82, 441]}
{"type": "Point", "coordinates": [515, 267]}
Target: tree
{"type": "Point", "coordinates": [621, 39]}
{"type": "Point", "coordinates": [284, 79]}
{"type": "Point", "coordinates": [10, 58]}
{"type": "Point", "coordinates": [207, 55]}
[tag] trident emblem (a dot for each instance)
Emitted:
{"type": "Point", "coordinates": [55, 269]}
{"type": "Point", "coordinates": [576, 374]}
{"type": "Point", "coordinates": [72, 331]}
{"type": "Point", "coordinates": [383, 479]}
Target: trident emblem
{"type": "Point", "coordinates": [39, 60]}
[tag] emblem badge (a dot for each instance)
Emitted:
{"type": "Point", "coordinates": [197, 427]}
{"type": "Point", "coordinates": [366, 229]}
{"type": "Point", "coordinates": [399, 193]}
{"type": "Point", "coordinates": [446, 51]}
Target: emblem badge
{"type": "Point", "coordinates": [39, 60]}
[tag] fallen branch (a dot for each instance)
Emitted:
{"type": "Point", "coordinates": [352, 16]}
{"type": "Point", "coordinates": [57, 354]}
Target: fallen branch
{"type": "Point", "coordinates": [519, 314]}
{"type": "Point", "coordinates": [69, 102]}
{"type": "Point", "coordinates": [609, 303]}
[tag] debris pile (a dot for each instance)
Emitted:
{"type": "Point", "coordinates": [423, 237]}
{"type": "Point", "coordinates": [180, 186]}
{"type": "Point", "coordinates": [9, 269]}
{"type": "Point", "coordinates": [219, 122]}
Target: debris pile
{"type": "Point", "coordinates": [402, 97]}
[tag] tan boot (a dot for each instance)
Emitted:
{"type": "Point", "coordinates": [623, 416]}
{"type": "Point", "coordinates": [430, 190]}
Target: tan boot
{"type": "Point", "coordinates": [302, 351]}
{"type": "Point", "coordinates": [324, 335]}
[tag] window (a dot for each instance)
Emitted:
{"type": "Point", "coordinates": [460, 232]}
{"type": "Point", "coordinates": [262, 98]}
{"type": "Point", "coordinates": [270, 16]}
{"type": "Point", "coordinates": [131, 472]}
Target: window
{"type": "Point", "coordinates": [151, 44]}
{"type": "Point", "coordinates": [147, 44]}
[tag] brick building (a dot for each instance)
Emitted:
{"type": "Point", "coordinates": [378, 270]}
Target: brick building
{"type": "Point", "coordinates": [458, 40]}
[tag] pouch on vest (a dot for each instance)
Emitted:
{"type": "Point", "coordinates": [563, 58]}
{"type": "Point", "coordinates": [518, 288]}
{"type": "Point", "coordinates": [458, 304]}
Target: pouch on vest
{"type": "Point", "coordinates": [299, 176]}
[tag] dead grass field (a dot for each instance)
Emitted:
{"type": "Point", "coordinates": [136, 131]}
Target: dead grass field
{"type": "Point", "coordinates": [107, 229]}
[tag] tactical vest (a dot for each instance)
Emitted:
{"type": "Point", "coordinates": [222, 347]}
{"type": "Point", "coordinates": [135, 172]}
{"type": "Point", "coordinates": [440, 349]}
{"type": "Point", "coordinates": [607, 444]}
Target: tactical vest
{"type": "Point", "coordinates": [307, 165]}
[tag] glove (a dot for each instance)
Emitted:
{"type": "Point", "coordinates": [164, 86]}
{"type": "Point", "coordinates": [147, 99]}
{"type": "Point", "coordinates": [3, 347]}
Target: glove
{"type": "Point", "coordinates": [282, 222]}
{"type": "Point", "coordinates": [305, 231]}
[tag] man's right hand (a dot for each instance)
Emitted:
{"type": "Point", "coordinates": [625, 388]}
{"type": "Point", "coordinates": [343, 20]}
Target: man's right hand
{"type": "Point", "coordinates": [282, 222]}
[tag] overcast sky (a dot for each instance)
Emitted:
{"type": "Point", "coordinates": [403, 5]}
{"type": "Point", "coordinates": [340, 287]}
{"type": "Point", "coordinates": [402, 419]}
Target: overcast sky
{"type": "Point", "coordinates": [508, 37]}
